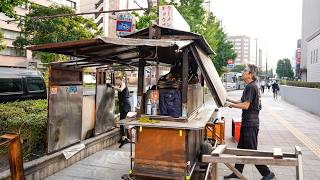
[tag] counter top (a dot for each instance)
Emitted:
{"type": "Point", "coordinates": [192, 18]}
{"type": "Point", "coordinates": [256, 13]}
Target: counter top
{"type": "Point", "coordinates": [195, 122]}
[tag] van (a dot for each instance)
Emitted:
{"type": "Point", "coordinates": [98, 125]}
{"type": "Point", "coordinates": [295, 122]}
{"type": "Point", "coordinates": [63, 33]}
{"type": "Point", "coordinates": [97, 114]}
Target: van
{"type": "Point", "coordinates": [21, 84]}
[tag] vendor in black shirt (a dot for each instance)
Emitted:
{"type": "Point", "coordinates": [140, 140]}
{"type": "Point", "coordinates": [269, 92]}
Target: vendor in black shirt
{"type": "Point", "coordinates": [250, 105]}
{"type": "Point", "coordinates": [124, 106]}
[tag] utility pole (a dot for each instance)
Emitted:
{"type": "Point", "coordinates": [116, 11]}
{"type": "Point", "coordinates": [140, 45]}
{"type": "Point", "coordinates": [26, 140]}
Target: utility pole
{"type": "Point", "coordinates": [256, 52]}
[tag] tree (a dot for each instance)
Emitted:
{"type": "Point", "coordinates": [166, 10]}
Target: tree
{"type": "Point", "coordinates": [7, 7]}
{"type": "Point", "coordinates": [238, 68]}
{"type": "Point", "coordinates": [284, 68]}
{"type": "Point", "coordinates": [53, 30]}
{"type": "Point", "coordinates": [217, 39]}
{"type": "Point", "coordinates": [202, 23]}
{"type": "Point", "coordinates": [194, 13]}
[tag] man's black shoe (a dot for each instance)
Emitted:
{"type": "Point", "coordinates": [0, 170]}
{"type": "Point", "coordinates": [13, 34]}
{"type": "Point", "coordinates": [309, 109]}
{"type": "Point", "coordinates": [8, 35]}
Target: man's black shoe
{"type": "Point", "coordinates": [125, 141]}
{"type": "Point", "coordinates": [232, 175]}
{"type": "Point", "coordinates": [269, 176]}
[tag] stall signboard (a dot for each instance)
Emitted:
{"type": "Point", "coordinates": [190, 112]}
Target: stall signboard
{"type": "Point", "coordinates": [124, 24]}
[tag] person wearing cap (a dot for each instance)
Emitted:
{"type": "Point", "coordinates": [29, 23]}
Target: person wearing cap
{"type": "Point", "coordinates": [251, 105]}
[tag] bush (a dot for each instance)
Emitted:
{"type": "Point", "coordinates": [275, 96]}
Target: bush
{"type": "Point", "coordinates": [301, 84]}
{"type": "Point", "coordinates": [29, 118]}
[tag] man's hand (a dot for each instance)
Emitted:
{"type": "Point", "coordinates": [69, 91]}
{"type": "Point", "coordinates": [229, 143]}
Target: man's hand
{"type": "Point", "coordinates": [227, 105]}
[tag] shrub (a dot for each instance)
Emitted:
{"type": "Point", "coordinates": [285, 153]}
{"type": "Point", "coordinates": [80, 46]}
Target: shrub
{"type": "Point", "coordinates": [301, 84]}
{"type": "Point", "coordinates": [29, 118]}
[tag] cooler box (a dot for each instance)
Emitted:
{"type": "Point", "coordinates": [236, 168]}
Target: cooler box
{"type": "Point", "coordinates": [236, 126]}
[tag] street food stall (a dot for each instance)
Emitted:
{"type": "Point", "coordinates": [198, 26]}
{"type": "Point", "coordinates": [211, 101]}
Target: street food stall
{"type": "Point", "coordinates": [171, 116]}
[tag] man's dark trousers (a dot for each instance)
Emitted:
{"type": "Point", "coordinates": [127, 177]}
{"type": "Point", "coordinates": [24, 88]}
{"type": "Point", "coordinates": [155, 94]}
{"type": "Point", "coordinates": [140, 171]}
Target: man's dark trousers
{"type": "Point", "coordinates": [249, 140]}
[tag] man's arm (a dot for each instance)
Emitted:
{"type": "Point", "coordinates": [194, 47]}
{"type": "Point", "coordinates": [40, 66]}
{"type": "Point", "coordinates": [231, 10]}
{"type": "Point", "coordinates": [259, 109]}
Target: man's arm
{"type": "Point", "coordinates": [244, 105]}
{"type": "Point", "coordinates": [233, 101]}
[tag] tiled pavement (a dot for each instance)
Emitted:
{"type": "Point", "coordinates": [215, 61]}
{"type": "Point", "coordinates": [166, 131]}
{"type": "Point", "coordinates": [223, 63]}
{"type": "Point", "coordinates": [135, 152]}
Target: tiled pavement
{"type": "Point", "coordinates": [281, 125]}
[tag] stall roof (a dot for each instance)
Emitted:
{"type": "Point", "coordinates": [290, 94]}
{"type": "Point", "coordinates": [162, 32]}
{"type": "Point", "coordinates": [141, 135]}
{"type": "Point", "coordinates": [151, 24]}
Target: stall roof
{"type": "Point", "coordinates": [168, 33]}
{"type": "Point", "coordinates": [105, 51]}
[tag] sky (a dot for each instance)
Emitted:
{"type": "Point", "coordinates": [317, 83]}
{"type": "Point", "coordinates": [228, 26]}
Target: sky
{"type": "Point", "coordinates": [275, 23]}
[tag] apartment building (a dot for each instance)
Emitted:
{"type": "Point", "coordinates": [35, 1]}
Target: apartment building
{"type": "Point", "coordinates": [241, 45]}
{"type": "Point", "coordinates": [14, 57]}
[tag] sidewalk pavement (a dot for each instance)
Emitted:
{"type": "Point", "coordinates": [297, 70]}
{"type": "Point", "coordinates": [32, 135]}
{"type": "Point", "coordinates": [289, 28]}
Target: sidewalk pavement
{"type": "Point", "coordinates": [281, 125]}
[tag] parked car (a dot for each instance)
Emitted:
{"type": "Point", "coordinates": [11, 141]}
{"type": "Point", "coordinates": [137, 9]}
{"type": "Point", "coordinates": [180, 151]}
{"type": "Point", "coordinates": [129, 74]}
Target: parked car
{"type": "Point", "coordinates": [21, 84]}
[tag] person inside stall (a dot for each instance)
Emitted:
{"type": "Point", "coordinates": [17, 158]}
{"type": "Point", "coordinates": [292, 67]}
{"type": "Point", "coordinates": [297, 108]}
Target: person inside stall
{"type": "Point", "coordinates": [251, 105]}
{"type": "Point", "coordinates": [124, 106]}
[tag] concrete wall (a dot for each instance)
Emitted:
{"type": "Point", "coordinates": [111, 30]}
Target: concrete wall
{"type": "Point", "coordinates": [304, 98]}
{"type": "Point", "coordinates": [50, 164]}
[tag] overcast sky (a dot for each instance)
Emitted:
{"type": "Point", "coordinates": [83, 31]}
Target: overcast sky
{"type": "Point", "coordinates": [275, 23]}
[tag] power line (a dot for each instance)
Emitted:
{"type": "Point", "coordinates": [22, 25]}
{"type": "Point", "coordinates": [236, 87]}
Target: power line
{"type": "Point", "coordinates": [85, 13]}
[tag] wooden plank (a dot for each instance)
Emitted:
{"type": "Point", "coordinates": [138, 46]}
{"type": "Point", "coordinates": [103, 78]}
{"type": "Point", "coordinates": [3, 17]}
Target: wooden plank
{"type": "Point", "coordinates": [15, 159]}
{"type": "Point", "coordinates": [247, 152]}
{"type": "Point", "coordinates": [140, 89]}
{"type": "Point", "coordinates": [214, 171]}
{"type": "Point", "coordinates": [299, 170]}
{"type": "Point", "coordinates": [250, 160]}
{"type": "Point", "coordinates": [185, 76]}
{"type": "Point", "coordinates": [219, 150]}
{"type": "Point", "coordinates": [233, 169]}
{"type": "Point", "coordinates": [277, 153]}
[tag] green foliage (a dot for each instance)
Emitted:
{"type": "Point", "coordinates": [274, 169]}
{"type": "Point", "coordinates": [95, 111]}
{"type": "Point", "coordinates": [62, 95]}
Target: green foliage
{"type": "Point", "coordinates": [29, 118]}
{"type": "Point", "coordinates": [217, 39]}
{"type": "Point", "coordinates": [2, 44]}
{"type": "Point", "coordinates": [7, 7]}
{"type": "Point", "coordinates": [284, 68]}
{"type": "Point", "coordinates": [301, 84]}
{"type": "Point", "coordinates": [53, 30]}
{"type": "Point", "coordinates": [238, 68]}
{"type": "Point", "coordinates": [194, 13]}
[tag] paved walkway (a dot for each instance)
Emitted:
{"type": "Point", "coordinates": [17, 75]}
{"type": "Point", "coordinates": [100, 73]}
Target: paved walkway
{"type": "Point", "coordinates": [281, 125]}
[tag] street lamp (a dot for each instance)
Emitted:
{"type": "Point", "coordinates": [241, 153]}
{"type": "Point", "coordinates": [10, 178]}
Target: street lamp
{"type": "Point", "coordinates": [256, 51]}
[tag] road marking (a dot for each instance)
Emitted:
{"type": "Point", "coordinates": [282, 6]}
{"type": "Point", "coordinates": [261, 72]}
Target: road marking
{"type": "Point", "coordinates": [314, 147]}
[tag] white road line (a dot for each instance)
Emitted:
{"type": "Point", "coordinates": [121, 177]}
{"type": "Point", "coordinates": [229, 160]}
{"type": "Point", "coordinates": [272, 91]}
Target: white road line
{"type": "Point", "coordinates": [314, 147]}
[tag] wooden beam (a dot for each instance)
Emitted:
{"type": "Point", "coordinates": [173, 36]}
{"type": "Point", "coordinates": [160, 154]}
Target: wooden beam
{"type": "Point", "coordinates": [233, 169]}
{"type": "Point", "coordinates": [250, 160]}
{"type": "Point", "coordinates": [277, 153]}
{"type": "Point", "coordinates": [140, 90]}
{"type": "Point", "coordinates": [185, 77]}
{"type": "Point", "coordinates": [248, 152]}
{"type": "Point", "coordinates": [219, 150]}
{"type": "Point", "coordinates": [214, 171]}
{"type": "Point", "coordinates": [15, 157]}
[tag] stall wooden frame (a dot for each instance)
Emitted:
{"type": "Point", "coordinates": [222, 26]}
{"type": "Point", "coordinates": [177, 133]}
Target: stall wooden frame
{"type": "Point", "coordinates": [229, 156]}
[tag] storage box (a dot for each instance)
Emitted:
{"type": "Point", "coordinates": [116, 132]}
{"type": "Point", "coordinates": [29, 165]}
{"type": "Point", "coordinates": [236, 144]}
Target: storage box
{"type": "Point", "coordinates": [236, 126]}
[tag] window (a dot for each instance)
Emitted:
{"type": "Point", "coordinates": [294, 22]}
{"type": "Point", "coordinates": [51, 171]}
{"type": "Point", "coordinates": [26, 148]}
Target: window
{"type": "Point", "coordinates": [8, 34]}
{"type": "Point", "coordinates": [316, 55]}
{"type": "Point", "coordinates": [311, 57]}
{"type": "Point", "coordinates": [35, 84]}
{"type": "Point", "coordinates": [11, 51]}
{"type": "Point", "coordinates": [11, 85]}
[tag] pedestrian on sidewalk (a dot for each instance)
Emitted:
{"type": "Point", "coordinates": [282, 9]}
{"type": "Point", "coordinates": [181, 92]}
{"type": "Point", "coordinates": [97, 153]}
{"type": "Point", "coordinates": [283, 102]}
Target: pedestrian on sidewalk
{"type": "Point", "coordinates": [124, 106]}
{"type": "Point", "coordinates": [263, 85]}
{"type": "Point", "coordinates": [275, 89]}
{"type": "Point", "coordinates": [269, 85]}
{"type": "Point", "coordinates": [251, 105]}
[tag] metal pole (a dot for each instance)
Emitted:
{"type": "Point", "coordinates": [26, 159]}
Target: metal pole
{"type": "Point", "coordinates": [256, 52]}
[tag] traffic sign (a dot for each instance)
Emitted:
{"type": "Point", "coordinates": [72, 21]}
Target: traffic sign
{"type": "Point", "coordinates": [230, 66]}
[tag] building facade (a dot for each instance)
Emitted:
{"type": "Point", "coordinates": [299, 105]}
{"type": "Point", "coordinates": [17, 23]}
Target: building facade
{"type": "Point", "coordinates": [310, 42]}
{"type": "Point", "coordinates": [21, 58]}
{"type": "Point", "coordinates": [241, 45]}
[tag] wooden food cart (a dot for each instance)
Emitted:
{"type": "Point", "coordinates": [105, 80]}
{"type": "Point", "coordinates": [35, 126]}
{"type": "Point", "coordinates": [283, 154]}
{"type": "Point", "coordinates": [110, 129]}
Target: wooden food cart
{"type": "Point", "coordinates": [170, 146]}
